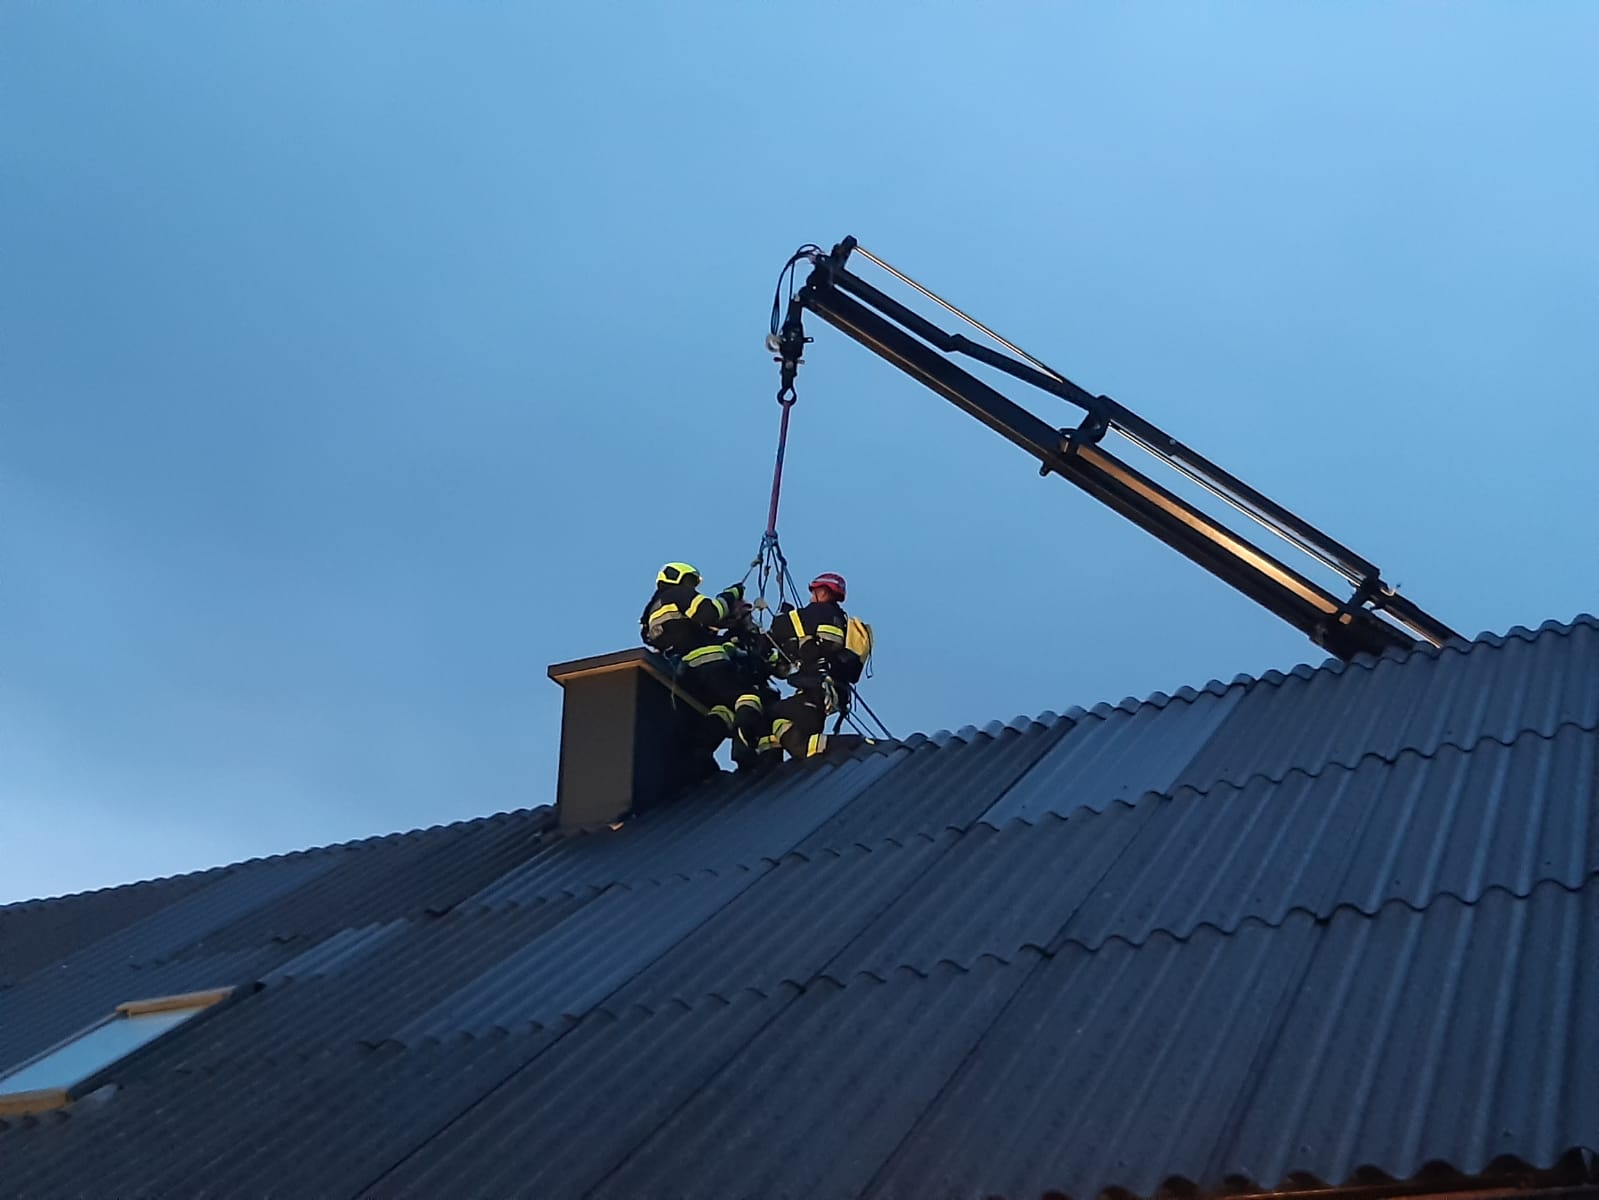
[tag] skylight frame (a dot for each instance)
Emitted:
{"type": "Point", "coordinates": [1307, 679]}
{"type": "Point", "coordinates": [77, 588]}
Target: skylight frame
{"type": "Point", "coordinates": [16, 1103]}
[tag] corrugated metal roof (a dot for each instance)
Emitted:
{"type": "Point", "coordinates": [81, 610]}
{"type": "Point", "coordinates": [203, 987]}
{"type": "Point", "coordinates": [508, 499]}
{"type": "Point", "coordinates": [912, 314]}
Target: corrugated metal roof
{"type": "Point", "coordinates": [615, 1078]}
{"type": "Point", "coordinates": [731, 823]}
{"type": "Point", "coordinates": [823, 1094]}
{"type": "Point", "coordinates": [1459, 1034]}
{"type": "Point", "coordinates": [791, 924]}
{"type": "Point", "coordinates": [1120, 1065]}
{"type": "Point", "coordinates": [315, 1127]}
{"type": "Point", "coordinates": [42, 933]}
{"type": "Point", "coordinates": [954, 779]}
{"type": "Point", "coordinates": [1458, 822]}
{"type": "Point", "coordinates": [575, 964]}
{"type": "Point", "coordinates": [42, 1011]}
{"type": "Point", "coordinates": [1332, 924]}
{"type": "Point", "coordinates": [995, 894]}
{"type": "Point", "coordinates": [1112, 756]}
{"type": "Point", "coordinates": [1496, 688]}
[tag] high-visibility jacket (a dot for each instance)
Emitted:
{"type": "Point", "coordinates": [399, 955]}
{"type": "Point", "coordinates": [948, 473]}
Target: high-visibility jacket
{"type": "Point", "coordinates": [814, 639]}
{"type": "Point", "coordinates": [679, 620]}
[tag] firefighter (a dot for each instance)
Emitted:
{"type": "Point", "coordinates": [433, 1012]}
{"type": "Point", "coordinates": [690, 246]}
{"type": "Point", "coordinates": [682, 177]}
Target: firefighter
{"type": "Point", "coordinates": [689, 628]}
{"type": "Point", "coordinates": [757, 662]}
{"type": "Point", "coordinates": [812, 640]}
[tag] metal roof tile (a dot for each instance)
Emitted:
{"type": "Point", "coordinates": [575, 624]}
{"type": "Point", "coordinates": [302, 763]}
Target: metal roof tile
{"type": "Point", "coordinates": [1119, 756]}
{"type": "Point", "coordinates": [1455, 822]}
{"type": "Point", "coordinates": [325, 1126]}
{"type": "Point", "coordinates": [729, 822]}
{"type": "Point", "coordinates": [952, 784]}
{"type": "Point", "coordinates": [1461, 1033]}
{"type": "Point", "coordinates": [335, 953]}
{"type": "Point", "coordinates": [559, 1126]}
{"type": "Point", "coordinates": [1118, 1067]}
{"type": "Point", "coordinates": [52, 1006]}
{"type": "Point", "coordinates": [380, 879]}
{"type": "Point", "coordinates": [419, 966]}
{"type": "Point", "coordinates": [1419, 701]}
{"type": "Point", "coordinates": [822, 1095]}
{"type": "Point", "coordinates": [187, 920]}
{"type": "Point", "coordinates": [995, 893]}
{"type": "Point", "coordinates": [576, 964]}
{"type": "Point", "coordinates": [789, 923]}
{"type": "Point", "coordinates": [40, 933]}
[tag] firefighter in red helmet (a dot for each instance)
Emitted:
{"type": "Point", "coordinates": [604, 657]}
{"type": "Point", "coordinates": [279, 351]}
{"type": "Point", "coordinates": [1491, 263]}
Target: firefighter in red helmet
{"type": "Point", "coordinates": [822, 667]}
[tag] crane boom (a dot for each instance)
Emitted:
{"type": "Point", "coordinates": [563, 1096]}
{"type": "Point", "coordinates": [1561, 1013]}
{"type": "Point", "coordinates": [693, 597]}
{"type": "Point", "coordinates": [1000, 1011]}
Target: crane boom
{"type": "Point", "coordinates": [1372, 619]}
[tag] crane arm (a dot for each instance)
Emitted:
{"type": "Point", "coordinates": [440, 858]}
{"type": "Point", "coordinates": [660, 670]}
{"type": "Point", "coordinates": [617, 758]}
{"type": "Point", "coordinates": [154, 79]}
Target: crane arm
{"type": "Point", "coordinates": [1372, 619]}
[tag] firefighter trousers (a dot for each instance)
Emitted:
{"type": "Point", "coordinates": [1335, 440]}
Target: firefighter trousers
{"type": "Point", "coordinates": [798, 723]}
{"type": "Point", "coordinates": [737, 709]}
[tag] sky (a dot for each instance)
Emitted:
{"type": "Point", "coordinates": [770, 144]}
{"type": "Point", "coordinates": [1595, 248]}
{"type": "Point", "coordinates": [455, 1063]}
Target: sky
{"type": "Point", "coordinates": [359, 360]}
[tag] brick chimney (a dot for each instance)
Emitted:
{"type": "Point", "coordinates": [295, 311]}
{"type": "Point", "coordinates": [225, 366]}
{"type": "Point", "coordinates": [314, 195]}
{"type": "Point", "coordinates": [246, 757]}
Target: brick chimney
{"type": "Point", "coordinates": [627, 738]}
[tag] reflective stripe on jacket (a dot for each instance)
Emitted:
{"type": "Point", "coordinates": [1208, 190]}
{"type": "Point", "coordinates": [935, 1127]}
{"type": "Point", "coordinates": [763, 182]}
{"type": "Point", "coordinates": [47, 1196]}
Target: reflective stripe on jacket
{"type": "Point", "coordinates": [678, 620]}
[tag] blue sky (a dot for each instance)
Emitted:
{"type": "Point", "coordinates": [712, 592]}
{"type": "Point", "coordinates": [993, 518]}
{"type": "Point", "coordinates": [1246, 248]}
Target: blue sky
{"type": "Point", "coordinates": [360, 360]}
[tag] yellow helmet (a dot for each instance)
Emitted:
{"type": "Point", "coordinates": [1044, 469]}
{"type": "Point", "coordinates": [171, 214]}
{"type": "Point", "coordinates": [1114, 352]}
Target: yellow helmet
{"type": "Point", "coordinates": [673, 573]}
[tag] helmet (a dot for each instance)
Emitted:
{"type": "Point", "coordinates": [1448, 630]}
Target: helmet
{"type": "Point", "coordinates": [830, 580]}
{"type": "Point", "coordinates": [673, 573]}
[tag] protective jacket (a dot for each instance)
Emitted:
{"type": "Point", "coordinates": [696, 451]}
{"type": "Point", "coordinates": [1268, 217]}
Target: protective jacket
{"type": "Point", "coordinates": [812, 638]}
{"type": "Point", "coordinates": [678, 620]}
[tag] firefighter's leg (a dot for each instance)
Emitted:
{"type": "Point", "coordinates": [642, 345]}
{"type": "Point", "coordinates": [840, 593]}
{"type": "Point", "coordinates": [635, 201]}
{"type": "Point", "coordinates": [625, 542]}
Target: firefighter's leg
{"type": "Point", "coordinates": [715, 685]}
{"type": "Point", "coordinates": [798, 725]}
{"type": "Point", "coordinates": [752, 723]}
{"type": "Point", "coordinates": [768, 750]}
{"type": "Point", "coordinates": [718, 725]}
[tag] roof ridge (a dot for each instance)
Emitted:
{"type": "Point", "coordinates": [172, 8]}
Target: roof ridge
{"type": "Point", "coordinates": [1270, 677]}
{"type": "Point", "coordinates": [37, 902]}
{"type": "Point", "coordinates": [351, 845]}
{"type": "Point", "coordinates": [1335, 666]}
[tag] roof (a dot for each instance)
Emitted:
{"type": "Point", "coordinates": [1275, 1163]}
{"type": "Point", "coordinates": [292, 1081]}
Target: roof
{"type": "Point", "coordinates": [1325, 927]}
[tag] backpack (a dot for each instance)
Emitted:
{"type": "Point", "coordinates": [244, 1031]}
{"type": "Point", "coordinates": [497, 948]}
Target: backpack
{"type": "Point", "coordinates": [858, 640]}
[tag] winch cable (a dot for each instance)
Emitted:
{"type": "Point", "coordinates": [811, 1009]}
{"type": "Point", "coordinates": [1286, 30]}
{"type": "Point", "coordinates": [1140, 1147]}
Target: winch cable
{"type": "Point", "coordinates": [786, 340]}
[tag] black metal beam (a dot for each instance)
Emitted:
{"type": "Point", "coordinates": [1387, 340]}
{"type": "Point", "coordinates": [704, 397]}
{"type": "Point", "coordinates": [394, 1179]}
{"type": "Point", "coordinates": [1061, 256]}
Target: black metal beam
{"type": "Point", "coordinates": [1338, 556]}
{"type": "Point", "coordinates": [1344, 628]}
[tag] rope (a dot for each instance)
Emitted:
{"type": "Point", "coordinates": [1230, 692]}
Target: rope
{"type": "Point", "coordinates": [770, 565]}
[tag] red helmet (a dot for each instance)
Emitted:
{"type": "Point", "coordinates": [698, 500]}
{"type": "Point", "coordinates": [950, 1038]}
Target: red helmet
{"type": "Point", "coordinates": [831, 580]}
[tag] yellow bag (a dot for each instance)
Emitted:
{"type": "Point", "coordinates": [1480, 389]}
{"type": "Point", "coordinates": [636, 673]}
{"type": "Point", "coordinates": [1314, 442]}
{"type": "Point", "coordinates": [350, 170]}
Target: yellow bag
{"type": "Point", "coordinates": [858, 638]}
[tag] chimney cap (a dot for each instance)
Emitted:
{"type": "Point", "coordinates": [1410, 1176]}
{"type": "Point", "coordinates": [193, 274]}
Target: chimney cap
{"type": "Point", "coordinates": [648, 661]}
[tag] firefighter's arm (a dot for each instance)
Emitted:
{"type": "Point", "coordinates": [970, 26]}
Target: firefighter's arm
{"type": "Point", "coordinates": [715, 612]}
{"type": "Point", "coordinates": [779, 644]}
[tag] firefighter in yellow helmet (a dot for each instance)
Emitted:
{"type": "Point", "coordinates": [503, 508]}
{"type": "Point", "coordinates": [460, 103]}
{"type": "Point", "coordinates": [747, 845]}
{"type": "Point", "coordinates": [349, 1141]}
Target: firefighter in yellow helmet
{"type": "Point", "coordinates": [692, 629]}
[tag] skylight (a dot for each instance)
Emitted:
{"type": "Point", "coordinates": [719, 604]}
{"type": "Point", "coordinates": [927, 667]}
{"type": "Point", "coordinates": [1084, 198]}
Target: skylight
{"type": "Point", "coordinates": [45, 1080]}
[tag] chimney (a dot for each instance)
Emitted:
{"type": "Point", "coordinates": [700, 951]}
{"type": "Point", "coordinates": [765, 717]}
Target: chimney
{"type": "Point", "coordinates": [628, 738]}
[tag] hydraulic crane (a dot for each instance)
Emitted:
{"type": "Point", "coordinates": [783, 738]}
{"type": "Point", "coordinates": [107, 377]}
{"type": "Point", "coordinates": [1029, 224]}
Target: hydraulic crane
{"type": "Point", "coordinates": [1372, 619]}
